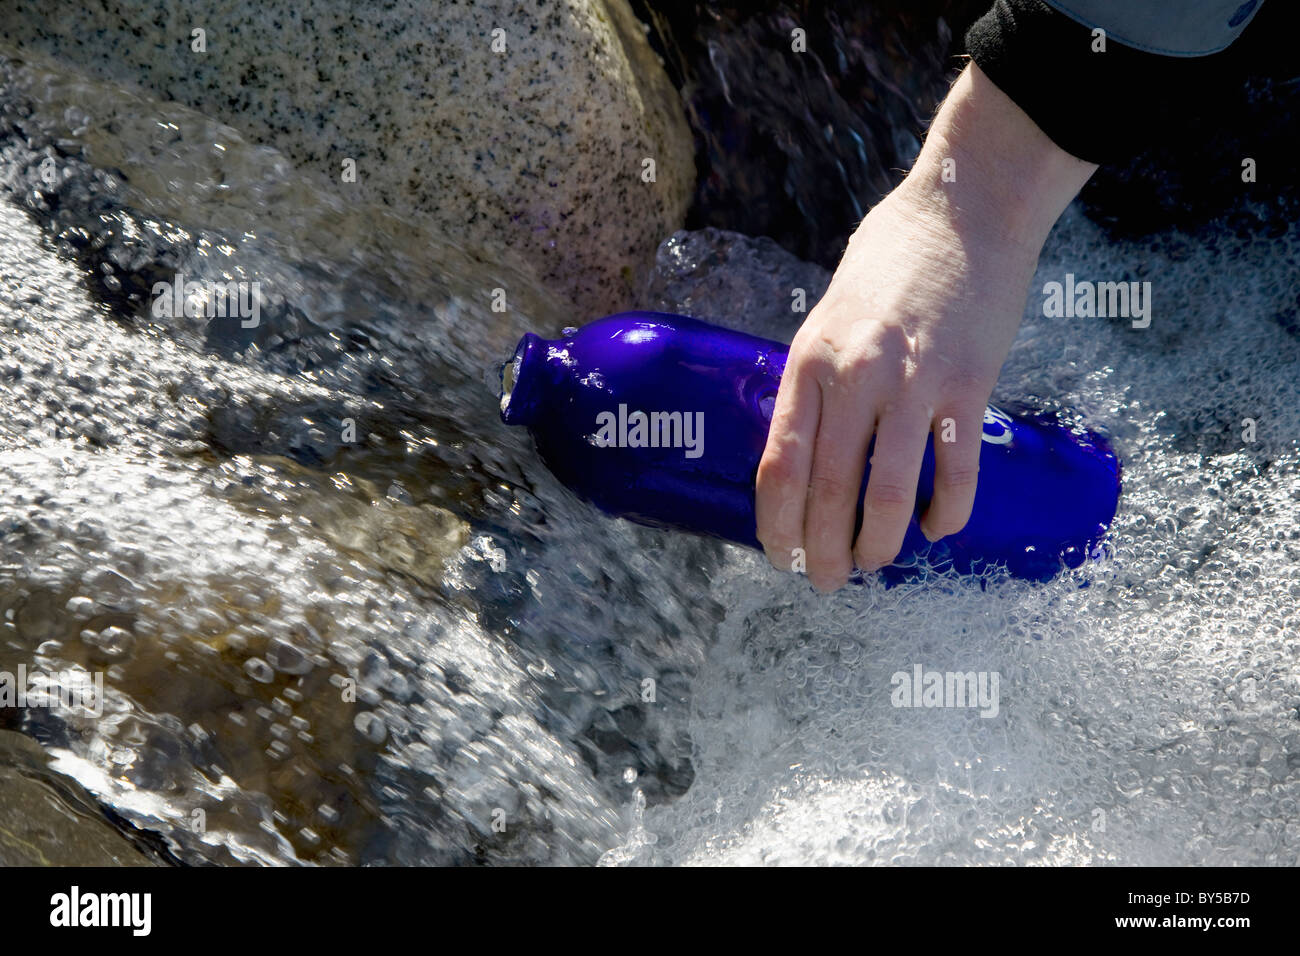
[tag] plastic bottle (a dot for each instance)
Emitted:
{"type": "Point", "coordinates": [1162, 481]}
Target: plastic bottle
{"type": "Point", "coordinates": [662, 419]}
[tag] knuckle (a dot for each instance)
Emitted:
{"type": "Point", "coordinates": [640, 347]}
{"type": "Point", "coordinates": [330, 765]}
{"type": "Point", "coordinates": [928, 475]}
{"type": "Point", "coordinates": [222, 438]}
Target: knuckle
{"type": "Point", "coordinates": [810, 358]}
{"type": "Point", "coordinates": [892, 338]}
{"type": "Point", "coordinates": [888, 498]}
{"type": "Point", "coordinates": [814, 353]}
{"type": "Point", "coordinates": [827, 342]}
{"type": "Point", "coordinates": [831, 374]}
{"type": "Point", "coordinates": [856, 367]}
{"type": "Point", "coordinates": [957, 479]}
{"type": "Point", "coordinates": [829, 487]}
{"type": "Point", "coordinates": [776, 471]}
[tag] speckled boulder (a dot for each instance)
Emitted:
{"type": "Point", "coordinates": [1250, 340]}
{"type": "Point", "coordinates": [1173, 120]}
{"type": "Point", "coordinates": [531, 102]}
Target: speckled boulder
{"type": "Point", "coordinates": [508, 126]}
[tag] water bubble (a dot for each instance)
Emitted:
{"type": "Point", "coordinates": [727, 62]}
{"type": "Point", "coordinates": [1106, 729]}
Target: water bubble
{"type": "Point", "coordinates": [115, 643]}
{"type": "Point", "coordinates": [80, 606]}
{"type": "Point", "coordinates": [371, 726]}
{"type": "Point", "coordinates": [287, 658]}
{"type": "Point", "coordinates": [259, 670]}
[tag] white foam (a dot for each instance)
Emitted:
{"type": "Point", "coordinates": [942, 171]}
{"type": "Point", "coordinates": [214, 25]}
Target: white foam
{"type": "Point", "coordinates": [1149, 718]}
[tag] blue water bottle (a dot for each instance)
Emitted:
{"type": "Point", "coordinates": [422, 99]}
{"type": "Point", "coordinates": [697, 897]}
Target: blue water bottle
{"type": "Point", "coordinates": [662, 419]}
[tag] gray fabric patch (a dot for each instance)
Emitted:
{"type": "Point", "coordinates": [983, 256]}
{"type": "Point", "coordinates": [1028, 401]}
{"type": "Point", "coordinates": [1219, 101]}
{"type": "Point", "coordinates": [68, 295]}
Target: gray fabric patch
{"type": "Point", "coordinates": [1185, 28]}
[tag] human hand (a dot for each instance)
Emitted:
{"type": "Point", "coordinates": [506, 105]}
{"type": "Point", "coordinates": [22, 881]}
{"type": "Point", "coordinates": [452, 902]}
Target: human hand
{"type": "Point", "coordinates": [909, 339]}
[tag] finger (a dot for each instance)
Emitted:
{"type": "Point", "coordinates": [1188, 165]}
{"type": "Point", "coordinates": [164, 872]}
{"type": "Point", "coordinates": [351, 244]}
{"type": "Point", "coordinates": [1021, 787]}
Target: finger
{"type": "Point", "coordinates": [956, 468]}
{"type": "Point", "coordinates": [782, 481]}
{"type": "Point", "coordinates": [890, 498]}
{"type": "Point", "coordinates": [839, 459]}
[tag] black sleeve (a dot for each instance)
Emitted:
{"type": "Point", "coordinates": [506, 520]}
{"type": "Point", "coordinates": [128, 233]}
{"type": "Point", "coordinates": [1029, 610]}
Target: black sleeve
{"type": "Point", "coordinates": [1099, 106]}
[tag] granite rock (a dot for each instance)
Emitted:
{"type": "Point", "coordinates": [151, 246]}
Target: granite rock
{"type": "Point", "coordinates": [518, 131]}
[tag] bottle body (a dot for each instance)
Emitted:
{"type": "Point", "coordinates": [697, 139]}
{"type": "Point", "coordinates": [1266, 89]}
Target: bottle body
{"type": "Point", "coordinates": [662, 419]}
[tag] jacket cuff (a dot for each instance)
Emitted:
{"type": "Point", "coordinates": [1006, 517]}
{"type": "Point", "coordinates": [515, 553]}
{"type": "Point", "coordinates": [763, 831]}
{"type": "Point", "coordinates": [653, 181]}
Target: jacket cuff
{"type": "Point", "coordinates": [1099, 105]}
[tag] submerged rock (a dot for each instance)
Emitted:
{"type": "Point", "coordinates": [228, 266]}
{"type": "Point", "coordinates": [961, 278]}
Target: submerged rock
{"type": "Point", "coordinates": [510, 128]}
{"type": "Point", "coordinates": [48, 819]}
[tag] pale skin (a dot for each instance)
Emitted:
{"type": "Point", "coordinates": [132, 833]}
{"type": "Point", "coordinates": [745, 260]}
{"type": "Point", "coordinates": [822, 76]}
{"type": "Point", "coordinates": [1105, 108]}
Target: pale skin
{"type": "Point", "coordinates": [912, 332]}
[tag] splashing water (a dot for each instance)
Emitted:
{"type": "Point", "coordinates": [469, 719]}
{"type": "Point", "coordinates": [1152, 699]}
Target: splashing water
{"type": "Point", "coordinates": [414, 647]}
{"type": "Point", "coordinates": [304, 555]}
{"type": "Point", "coordinates": [1148, 718]}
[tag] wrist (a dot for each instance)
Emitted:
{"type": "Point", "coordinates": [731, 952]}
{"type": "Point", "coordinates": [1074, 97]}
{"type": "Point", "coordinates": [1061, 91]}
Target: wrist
{"type": "Point", "coordinates": [990, 172]}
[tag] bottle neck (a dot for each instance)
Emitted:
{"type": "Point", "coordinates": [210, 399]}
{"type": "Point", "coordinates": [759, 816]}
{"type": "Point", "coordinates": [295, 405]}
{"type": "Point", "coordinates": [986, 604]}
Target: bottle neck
{"type": "Point", "coordinates": [521, 381]}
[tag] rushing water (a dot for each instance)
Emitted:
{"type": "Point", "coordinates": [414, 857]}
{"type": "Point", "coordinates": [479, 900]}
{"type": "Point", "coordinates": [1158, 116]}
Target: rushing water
{"type": "Point", "coordinates": [182, 510]}
{"type": "Point", "coordinates": [1150, 717]}
{"type": "Point", "coordinates": [797, 146]}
